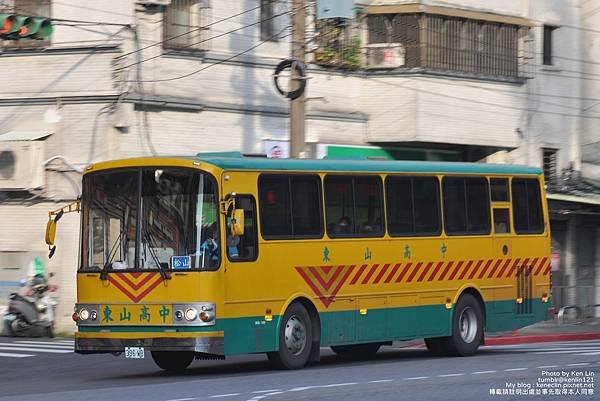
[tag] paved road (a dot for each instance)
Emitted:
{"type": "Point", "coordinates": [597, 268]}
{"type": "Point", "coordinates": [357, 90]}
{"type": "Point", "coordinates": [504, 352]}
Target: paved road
{"type": "Point", "coordinates": [38, 369]}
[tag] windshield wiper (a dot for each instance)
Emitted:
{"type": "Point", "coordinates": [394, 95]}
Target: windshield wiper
{"type": "Point", "coordinates": [163, 271]}
{"type": "Point", "coordinates": [111, 255]}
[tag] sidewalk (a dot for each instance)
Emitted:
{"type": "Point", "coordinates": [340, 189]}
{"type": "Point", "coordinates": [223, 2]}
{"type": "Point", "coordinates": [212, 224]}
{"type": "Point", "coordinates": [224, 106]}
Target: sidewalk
{"type": "Point", "coordinates": [549, 330]}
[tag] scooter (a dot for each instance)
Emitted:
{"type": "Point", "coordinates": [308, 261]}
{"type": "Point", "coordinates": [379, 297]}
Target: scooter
{"type": "Point", "coordinates": [32, 315]}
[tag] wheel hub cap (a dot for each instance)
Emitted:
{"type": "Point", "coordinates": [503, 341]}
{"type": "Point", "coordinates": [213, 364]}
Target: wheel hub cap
{"type": "Point", "coordinates": [467, 324]}
{"type": "Point", "coordinates": [295, 335]}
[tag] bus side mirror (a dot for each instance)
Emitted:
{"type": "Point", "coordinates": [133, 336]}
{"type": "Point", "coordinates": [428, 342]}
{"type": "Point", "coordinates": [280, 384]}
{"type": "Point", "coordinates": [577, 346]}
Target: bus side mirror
{"type": "Point", "coordinates": [50, 232]}
{"type": "Point", "coordinates": [237, 222]}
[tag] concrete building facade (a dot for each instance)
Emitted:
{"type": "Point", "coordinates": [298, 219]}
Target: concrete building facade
{"type": "Point", "coordinates": [473, 80]}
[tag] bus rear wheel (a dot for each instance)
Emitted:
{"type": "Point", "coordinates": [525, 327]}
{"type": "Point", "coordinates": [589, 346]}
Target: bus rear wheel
{"type": "Point", "coordinates": [356, 350]}
{"type": "Point", "coordinates": [295, 339]}
{"type": "Point", "coordinates": [437, 346]}
{"type": "Point", "coordinates": [173, 360]}
{"type": "Point", "coordinates": [467, 327]}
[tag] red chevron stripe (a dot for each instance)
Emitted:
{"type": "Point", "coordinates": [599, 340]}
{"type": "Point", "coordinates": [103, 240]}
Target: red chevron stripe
{"type": "Point", "coordinates": [541, 266]}
{"type": "Point", "coordinates": [381, 273]}
{"type": "Point", "coordinates": [493, 269]}
{"type": "Point", "coordinates": [414, 272]}
{"type": "Point", "coordinates": [133, 297]}
{"type": "Point", "coordinates": [465, 270]}
{"type": "Point", "coordinates": [422, 276]}
{"type": "Point", "coordinates": [401, 276]}
{"type": "Point", "coordinates": [371, 272]}
{"type": "Point", "coordinates": [548, 268]}
{"type": "Point", "coordinates": [357, 275]}
{"type": "Point", "coordinates": [317, 275]}
{"type": "Point", "coordinates": [435, 271]}
{"type": "Point", "coordinates": [533, 263]}
{"type": "Point", "coordinates": [393, 272]}
{"type": "Point", "coordinates": [131, 284]}
{"type": "Point", "coordinates": [514, 268]}
{"type": "Point", "coordinates": [503, 269]}
{"type": "Point", "coordinates": [446, 270]}
{"type": "Point", "coordinates": [487, 265]}
{"type": "Point", "coordinates": [456, 269]}
{"type": "Point", "coordinates": [136, 275]}
{"type": "Point", "coordinates": [477, 268]}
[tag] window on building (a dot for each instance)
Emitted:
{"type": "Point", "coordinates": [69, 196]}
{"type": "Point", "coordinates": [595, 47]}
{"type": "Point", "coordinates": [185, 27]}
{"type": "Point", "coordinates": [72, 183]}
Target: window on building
{"type": "Point", "coordinates": [548, 45]}
{"type": "Point", "coordinates": [466, 206]}
{"type": "Point", "coordinates": [448, 43]}
{"type": "Point", "coordinates": [550, 166]}
{"type": "Point", "coordinates": [527, 206]}
{"type": "Point", "coordinates": [412, 206]}
{"type": "Point", "coordinates": [290, 206]}
{"type": "Point", "coordinates": [37, 8]}
{"type": "Point", "coordinates": [353, 206]}
{"type": "Point", "coordinates": [185, 25]}
{"type": "Point", "coordinates": [267, 20]}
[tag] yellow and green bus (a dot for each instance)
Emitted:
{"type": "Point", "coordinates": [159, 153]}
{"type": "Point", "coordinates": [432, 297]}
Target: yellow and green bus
{"type": "Point", "coordinates": [220, 254]}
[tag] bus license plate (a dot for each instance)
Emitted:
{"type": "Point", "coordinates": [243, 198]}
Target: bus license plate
{"type": "Point", "coordinates": [134, 352]}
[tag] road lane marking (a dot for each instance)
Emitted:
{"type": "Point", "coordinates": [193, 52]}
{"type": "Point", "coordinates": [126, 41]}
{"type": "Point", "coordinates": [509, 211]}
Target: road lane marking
{"type": "Point", "coordinates": [37, 344]}
{"type": "Point", "coordinates": [514, 369]}
{"type": "Point", "coordinates": [224, 395]}
{"type": "Point", "coordinates": [573, 351]}
{"type": "Point", "coordinates": [483, 372]}
{"type": "Point", "coordinates": [339, 384]}
{"type": "Point", "coordinates": [265, 391]}
{"type": "Point", "coordinates": [183, 399]}
{"type": "Point", "coordinates": [15, 355]}
{"type": "Point", "coordinates": [589, 353]}
{"type": "Point", "coordinates": [547, 367]}
{"type": "Point", "coordinates": [451, 375]}
{"type": "Point", "coordinates": [55, 351]}
{"type": "Point", "coordinates": [44, 343]}
{"type": "Point", "coordinates": [381, 381]}
{"type": "Point", "coordinates": [303, 388]}
{"type": "Point", "coordinates": [416, 378]}
{"type": "Point", "coordinates": [578, 364]}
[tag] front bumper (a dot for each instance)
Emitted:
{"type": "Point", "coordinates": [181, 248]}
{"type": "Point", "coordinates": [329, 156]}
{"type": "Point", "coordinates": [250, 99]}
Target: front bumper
{"type": "Point", "coordinates": [96, 343]}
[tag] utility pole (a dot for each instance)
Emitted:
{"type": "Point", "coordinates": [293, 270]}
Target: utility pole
{"type": "Point", "coordinates": [297, 106]}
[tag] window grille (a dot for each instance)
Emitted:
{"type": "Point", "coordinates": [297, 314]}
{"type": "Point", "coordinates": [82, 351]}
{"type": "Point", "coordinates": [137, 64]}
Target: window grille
{"type": "Point", "coordinates": [185, 25]}
{"type": "Point", "coordinates": [550, 166]}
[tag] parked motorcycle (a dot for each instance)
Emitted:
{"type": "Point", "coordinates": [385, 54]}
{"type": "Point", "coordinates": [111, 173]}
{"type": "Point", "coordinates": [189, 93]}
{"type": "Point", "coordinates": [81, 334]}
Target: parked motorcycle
{"type": "Point", "coordinates": [32, 314]}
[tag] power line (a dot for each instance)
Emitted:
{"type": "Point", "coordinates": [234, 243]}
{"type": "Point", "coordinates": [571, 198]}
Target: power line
{"type": "Point", "coordinates": [218, 62]}
{"type": "Point", "coordinates": [201, 41]}
{"type": "Point", "coordinates": [190, 31]}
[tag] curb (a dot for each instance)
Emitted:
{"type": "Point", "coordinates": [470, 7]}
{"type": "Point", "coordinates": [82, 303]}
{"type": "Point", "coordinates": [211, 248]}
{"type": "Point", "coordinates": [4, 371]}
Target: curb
{"type": "Point", "coordinates": [540, 338]}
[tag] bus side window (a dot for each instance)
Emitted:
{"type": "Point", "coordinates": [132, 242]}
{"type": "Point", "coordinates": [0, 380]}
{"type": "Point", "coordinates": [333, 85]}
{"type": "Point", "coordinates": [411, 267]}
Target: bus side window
{"type": "Point", "coordinates": [242, 248]}
{"type": "Point", "coordinates": [527, 206]}
{"type": "Point", "coordinates": [501, 220]}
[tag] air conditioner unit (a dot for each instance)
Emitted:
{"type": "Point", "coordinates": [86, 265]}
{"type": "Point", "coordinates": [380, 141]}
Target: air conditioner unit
{"type": "Point", "coordinates": [21, 165]}
{"type": "Point", "coordinates": [385, 55]}
{"type": "Point", "coordinates": [154, 2]}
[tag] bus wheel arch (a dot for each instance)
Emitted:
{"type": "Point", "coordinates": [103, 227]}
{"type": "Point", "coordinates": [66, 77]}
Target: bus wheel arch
{"type": "Point", "coordinates": [297, 339]}
{"type": "Point", "coordinates": [477, 295]}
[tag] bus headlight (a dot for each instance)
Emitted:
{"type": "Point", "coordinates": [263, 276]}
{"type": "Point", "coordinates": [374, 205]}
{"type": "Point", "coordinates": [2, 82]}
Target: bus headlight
{"type": "Point", "coordinates": [84, 314]}
{"type": "Point", "coordinates": [190, 314]}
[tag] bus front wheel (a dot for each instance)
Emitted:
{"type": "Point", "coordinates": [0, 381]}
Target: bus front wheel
{"type": "Point", "coordinates": [295, 339]}
{"type": "Point", "coordinates": [173, 360]}
{"type": "Point", "coordinates": [467, 327]}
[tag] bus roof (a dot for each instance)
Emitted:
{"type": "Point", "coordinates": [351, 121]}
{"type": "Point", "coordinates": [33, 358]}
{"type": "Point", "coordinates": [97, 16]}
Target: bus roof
{"type": "Point", "coordinates": [233, 161]}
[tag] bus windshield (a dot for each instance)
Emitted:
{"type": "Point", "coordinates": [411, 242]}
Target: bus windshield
{"type": "Point", "coordinates": [150, 219]}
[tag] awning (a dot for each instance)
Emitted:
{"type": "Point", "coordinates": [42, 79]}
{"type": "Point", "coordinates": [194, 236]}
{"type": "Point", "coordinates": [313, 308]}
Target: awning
{"type": "Point", "coordinates": [588, 200]}
{"type": "Point", "coordinates": [18, 135]}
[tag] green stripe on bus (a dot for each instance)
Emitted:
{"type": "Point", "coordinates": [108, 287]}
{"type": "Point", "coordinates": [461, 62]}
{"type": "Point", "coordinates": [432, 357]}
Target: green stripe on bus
{"type": "Point", "coordinates": [254, 334]}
